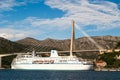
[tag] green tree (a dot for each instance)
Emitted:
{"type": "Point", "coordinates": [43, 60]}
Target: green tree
{"type": "Point", "coordinates": [116, 63]}
{"type": "Point", "coordinates": [118, 45]}
{"type": "Point", "coordinates": [110, 59]}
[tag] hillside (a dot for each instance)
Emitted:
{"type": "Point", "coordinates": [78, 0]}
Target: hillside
{"type": "Point", "coordinates": [27, 44]}
{"type": "Point", "coordinates": [106, 42]}
{"type": "Point", "coordinates": [7, 46]}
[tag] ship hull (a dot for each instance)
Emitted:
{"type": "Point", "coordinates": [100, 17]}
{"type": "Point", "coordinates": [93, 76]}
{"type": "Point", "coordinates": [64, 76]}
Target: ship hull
{"type": "Point", "coordinates": [52, 66]}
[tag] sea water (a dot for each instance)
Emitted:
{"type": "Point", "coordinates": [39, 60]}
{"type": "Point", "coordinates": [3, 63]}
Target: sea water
{"type": "Point", "coordinates": [7, 74]}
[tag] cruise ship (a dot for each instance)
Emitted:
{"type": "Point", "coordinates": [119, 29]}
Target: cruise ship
{"type": "Point", "coordinates": [31, 61]}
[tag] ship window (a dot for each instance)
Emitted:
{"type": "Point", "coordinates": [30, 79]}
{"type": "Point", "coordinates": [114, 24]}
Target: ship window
{"type": "Point", "coordinates": [63, 60]}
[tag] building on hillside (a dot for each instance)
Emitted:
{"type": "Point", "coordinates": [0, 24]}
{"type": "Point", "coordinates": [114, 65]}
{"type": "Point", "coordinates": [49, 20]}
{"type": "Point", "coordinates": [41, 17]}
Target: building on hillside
{"type": "Point", "coordinates": [101, 64]}
{"type": "Point", "coordinates": [117, 50]}
{"type": "Point", "coordinates": [117, 56]}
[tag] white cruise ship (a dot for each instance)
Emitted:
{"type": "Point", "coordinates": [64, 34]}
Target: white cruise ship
{"type": "Point", "coordinates": [54, 62]}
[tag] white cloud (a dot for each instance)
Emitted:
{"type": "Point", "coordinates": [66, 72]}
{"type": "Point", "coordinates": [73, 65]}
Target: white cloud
{"type": "Point", "coordinates": [19, 33]}
{"type": "Point", "coordinates": [16, 34]}
{"type": "Point", "coordinates": [99, 13]}
{"type": "Point", "coordinates": [102, 14]}
{"type": "Point", "coordinates": [11, 34]}
{"type": "Point", "coordinates": [6, 5]}
{"type": "Point", "coordinates": [54, 23]}
{"type": "Point", "coordinates": [9, 4]}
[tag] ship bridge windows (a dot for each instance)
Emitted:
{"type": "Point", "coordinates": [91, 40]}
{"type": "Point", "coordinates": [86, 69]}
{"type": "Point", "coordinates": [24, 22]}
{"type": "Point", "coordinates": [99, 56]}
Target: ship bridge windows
{"type": "Point", "coordinates": [24, 56]}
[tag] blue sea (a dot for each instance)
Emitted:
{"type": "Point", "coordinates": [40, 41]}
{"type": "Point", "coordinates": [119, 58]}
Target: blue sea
{"type": "Point", "coordinates": [7, 74]}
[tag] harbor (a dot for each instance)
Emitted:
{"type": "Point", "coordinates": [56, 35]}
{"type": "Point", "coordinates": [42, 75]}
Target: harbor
{"type": "Point", "coordinates": [32, 61]}
{"type": "Point", "coordinates": [59, 39]}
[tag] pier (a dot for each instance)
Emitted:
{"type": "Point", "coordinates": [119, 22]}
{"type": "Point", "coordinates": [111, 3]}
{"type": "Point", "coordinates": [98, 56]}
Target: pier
{"type": "Point", "coordinates": [107, 69]}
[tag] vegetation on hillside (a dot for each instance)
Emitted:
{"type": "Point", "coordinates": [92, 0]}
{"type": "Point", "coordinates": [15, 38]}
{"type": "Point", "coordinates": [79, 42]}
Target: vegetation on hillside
{"type": "Point", "coordinates": [118, 45]}
{"type": "Point", "coordinates": [7, 60]}
{"type": "Point", "coordinates": [7, 46]}
{"type": "Point", "coordinates": [111, 59]}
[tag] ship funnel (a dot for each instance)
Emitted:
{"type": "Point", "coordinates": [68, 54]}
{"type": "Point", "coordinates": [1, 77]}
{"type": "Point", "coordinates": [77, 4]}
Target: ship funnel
{"type": "Point", "coordinates": [54, 53]}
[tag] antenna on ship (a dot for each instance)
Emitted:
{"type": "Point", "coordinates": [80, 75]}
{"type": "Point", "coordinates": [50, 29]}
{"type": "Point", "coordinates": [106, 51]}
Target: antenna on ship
{"type": "Point", "coordinates": [72, 39]}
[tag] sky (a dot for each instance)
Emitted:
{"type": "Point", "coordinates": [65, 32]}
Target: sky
{"type": "Point", "coordinates": [41, 19]}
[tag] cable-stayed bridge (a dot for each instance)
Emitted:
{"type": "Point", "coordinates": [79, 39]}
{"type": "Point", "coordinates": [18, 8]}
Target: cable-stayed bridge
{"type": "Point", "coordinates": [100, 50]}
{"type": "Point", "coordinates": [3, 55]}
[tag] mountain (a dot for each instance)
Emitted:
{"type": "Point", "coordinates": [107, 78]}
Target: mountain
{"type": "Point", "coordinates": [28, 41]}
{"type": "Point", "coordinates": [106, 42]}
{"type": "Point", "coordinates": [7, 46]}
{"type": "Point", "coordinates": [44, 45]}
{"type": "Point", "coordinates": [27, 44]}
